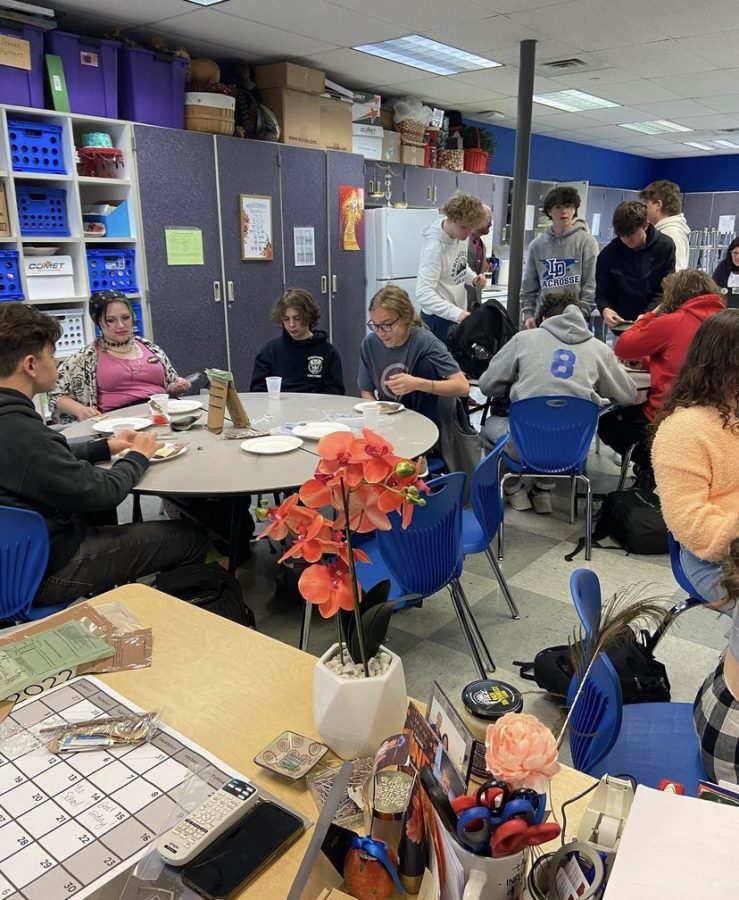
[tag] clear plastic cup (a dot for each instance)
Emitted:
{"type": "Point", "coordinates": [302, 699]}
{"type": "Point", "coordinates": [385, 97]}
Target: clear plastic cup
{"type": "Point", "coordinates": [274, 384]}
{"type": "Point", "coordinates": [371, 416]}
{"type": "Point", "coordinates": [162, 401]}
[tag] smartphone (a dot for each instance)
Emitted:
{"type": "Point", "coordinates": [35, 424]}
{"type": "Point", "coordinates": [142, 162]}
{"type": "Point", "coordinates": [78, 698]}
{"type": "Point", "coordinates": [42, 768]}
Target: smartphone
{"type": "Point", "coordinates": [243, 852]}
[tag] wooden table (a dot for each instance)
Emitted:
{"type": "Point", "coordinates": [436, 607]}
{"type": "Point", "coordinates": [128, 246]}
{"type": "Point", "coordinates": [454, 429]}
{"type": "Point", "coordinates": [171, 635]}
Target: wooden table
{"type": "Point", "coordinates": [232, 690]}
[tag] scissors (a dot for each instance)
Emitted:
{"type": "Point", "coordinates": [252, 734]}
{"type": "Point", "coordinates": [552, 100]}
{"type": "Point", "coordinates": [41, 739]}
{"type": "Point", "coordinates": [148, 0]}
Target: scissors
{"type": "Point", "coordinates": [516, 834]}
{"type": "Point", "coordinates": [481, 816]}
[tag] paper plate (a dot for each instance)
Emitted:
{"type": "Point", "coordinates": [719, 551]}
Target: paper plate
{"type": "Point", "coordinates": [181, 407]}
{"type": "Point", "coordinates": [110, 426]}
{"type": "Point", "coordinates": [160, 459]}
{"type": "Point", "coordinates": [273, 443]}
{"type": "Point", "coordinates": [314, 431]}
{"type": "Point", "coordinates": [387, 407]}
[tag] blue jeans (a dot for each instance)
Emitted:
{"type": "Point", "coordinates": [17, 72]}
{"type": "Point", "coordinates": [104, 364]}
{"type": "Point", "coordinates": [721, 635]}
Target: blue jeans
{"type": "Point", "coordinates": [703, 575]}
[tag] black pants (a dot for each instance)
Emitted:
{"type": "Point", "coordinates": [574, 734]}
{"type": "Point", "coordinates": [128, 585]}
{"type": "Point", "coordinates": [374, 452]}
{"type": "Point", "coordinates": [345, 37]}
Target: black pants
{"type": "Point", "coordinates": [117, 554]}
{"type": "Point", "coordinates": [624, 426]}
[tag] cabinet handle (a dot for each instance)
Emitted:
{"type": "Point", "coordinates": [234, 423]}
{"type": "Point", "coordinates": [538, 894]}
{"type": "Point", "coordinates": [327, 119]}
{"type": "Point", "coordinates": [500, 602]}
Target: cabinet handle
{"type": "Point", "coordinates": [216, 291]}
{"type": "Point", "coordinates": [428, 193]}
{"type": "Point", "coordinates": [333, 284]}
{"type": "Point", "coordinates": [371, 187]}
{"type": "Point", "coordinates": [435, 190]}
{"type": "Point", "coordinates": [324, 284]}
{"type": "Point", "coordinates": [230, 292]}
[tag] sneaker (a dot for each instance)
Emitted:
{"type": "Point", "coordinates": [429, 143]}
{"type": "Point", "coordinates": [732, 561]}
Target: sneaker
{"type": "Point", "coordinates": [519, 499]}
{"type": "Point", "coordinates": [541, 501]}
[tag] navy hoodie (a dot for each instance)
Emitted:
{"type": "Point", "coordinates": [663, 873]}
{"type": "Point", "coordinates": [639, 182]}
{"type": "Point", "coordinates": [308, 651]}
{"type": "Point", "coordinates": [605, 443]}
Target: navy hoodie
{"type": "Point", "coordinates": [312, 366]}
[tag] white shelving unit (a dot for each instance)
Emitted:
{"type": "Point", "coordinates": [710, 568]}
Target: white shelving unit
{"type": "Point", "coordinates": [81, 191]}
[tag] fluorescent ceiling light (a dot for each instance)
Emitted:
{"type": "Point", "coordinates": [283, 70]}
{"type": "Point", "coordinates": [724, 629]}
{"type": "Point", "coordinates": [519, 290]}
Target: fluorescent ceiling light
{"type": "Point", "coordinates": [205, 2]}
{"type": "Point", "coordinates": [431, 56]}
{"type": "Point", "coordinates": [657, 126]}
{"type": "Point", "coordinates": [732, 145]}
{"type": "Point", "coordinates": [573, 101]}
{"type": "Point", "coordinates": [697, 145]}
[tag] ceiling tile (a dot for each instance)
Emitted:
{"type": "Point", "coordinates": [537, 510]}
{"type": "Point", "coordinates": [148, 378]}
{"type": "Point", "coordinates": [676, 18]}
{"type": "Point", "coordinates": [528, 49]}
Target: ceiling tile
{"type": "Point", "coordinates": [702, 84]}
{"type": "Point", "coordinates": [723, 46]}
{"type": "Point", "coordinates": [728, 103]}
{"type": "Point", "coordinates": [657, 58]}
{"type": "Point", "coordinates": [366, 70]}
{"type": "Point", "coordinates": [131, 11]}
{"type": "Point", "coordinates": [673, 109]}
{"type": "Point", "coordinates": [642, 90]}
{"type": "Point", "coordinates": [504, 79]}
{"type": "Point", "coordinates": [680, 18]}
{"type": "Point", "coordinates": [419, 15]}
{"type": "Point", "coordinates": [451, 90]}
{"type": "Point", "coordinates": [484, 36]}
{"type": "Point", "coordinates": [711, 123]}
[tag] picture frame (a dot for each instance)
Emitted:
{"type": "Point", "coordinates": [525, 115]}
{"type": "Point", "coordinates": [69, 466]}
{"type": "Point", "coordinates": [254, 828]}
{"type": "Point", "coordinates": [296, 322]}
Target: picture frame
{"type": "Point", "coordinates": [446, 723]}
{"type": "Point", "coordinates": [255, 224]}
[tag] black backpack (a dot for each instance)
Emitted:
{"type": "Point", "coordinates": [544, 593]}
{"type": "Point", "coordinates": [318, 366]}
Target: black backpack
{"type": "Point", "coordinates": [643, 678]}
{"type": "Point", "coordinates": [479, 336]}
{"type": "Point", "coordinates": [633, 519]}
{"type": "Point", "coordinates": [210, 587]}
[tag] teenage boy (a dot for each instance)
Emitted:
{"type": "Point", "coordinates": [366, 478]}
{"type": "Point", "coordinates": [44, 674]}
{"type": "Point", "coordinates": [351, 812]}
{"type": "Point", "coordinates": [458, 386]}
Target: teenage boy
{"type": "Point", "coordinates": [629, 271]}
{"type": "Point", "coordinates": [40, 471]}
{"type": "Point", "coordinates": [302, 355]}
{"type": "Point", "coordinates": [665, 212]}
{"type": "Point", "coordinates": [442, 267]}
{"type": "Point", "coordinates": [561, 259]}
{"type": "Point", "coordinates": [477, 260]}
{"type": "Point", "coordinates": [561, 356]}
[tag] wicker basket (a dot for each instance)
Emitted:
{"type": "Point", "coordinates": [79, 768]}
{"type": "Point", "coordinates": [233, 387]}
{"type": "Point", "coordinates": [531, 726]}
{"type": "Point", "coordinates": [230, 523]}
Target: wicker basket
{"type": "Point", "coordinates": [411, 131]}
{"type": "Point", "coordinates": [451, 159]}
{"type": "Point", "coordinates": [211, 113]}
{"type": "Point", "coordinates": [476, 160]}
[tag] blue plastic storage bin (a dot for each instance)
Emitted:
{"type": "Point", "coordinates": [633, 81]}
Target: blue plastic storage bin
{"type": "Point", "coordinates": [36, 147]}
{"type": "Point", "coordinates": [23, 87]}
{"type": "Point", "coordinates": [117, 223]}
{"type": "Point", "coordinates": [152, 87]}
{"type": "Point", "coordinates": [10, 276]}
{"type": "Point", "coordinates": [42, 210]}
{"type": "Point", "coordinates": [90, 70]}
{"type": "Point", "coordinates": [112, 269]}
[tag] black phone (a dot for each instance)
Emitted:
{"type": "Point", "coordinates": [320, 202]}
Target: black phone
{"type": "Point", "coordinates": [243, 852]}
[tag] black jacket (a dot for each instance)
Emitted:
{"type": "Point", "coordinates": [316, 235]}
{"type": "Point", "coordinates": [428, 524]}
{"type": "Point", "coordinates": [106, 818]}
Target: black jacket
{"type": "Point", "coordinates": [312, 366]}
{"type": "Point", "coordinates": [40, 471]}
{"type": "Point", "coordinates": [630, 281]}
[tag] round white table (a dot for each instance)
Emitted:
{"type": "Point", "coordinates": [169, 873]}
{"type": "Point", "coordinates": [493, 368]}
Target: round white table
{"type": "Point", "coordinates": [214, 465]}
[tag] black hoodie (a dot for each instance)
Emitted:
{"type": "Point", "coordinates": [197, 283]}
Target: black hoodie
{"type": "Point", "coordinates": [40, 471]}
{"type": "Point", "coordinates": [630, 281]}
{"type": "Point", "coordinates": [312, 366]}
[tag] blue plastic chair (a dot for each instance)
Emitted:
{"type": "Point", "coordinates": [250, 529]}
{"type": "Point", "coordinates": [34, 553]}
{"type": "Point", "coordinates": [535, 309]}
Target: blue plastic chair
{"type": "Point", "coordinates": [481, 523]}
{"type": "Point", "coordinates": [552, 436]}
{"type": "Point", "coordinates": [649, 741]}
{"type": "Point", "coordinates": [426, 557]}
{"type": "Point", "coordinates": [24, 554]}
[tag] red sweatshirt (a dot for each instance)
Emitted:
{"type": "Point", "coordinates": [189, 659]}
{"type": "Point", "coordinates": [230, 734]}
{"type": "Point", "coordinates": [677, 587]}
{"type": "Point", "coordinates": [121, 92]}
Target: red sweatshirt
{"type": "Point", "coordinates": [665, 340]}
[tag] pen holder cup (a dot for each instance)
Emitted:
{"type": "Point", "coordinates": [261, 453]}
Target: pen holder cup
{"type": "Point", "coordinates": [491, 878]}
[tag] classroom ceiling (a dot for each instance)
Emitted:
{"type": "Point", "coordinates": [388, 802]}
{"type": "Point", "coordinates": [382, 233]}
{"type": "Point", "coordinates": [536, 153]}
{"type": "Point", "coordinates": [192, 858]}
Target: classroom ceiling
{"type": "Point", "coordinates": [659, 59]}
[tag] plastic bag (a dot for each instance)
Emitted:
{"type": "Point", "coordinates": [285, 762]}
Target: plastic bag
{"type": "Point", "coordinates": [410, 108]}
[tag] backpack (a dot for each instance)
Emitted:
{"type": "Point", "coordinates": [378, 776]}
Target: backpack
{"type": "Point", "coordinates": [633, 519]}
{"type": "Point", "coordinates": [211, 588]}
{"type": "Point", "coordinates": [479, 336]}
{"type": "Point", "coordinates": [643, 678]}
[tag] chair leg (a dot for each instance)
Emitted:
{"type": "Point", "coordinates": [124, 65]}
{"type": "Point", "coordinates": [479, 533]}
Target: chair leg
{"type": "Point", "coordinates": [468, 636]}
{"type": "Point", "coordinates": [503, 584]}
{"type": "Point", "coordinates": [679, 608]}
{"type": "Point", "coordinates": [573, 500]}
{"type": "Point", "coordinates": [588, 517]}
{"type": "Point", "coordinates": [625, 462]}
{"type": "Point", "coordinates": [501, 530]}
{"type": "Point", "coordinates": [474, 627]}
{"type": "Point", "coordinates": [305, 626]}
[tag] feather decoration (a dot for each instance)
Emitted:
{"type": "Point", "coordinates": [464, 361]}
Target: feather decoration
{"type": "Point", "coordinates": [630, 612]}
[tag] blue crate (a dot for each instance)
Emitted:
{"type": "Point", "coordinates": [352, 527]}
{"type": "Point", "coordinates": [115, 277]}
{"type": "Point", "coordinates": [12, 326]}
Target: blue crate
{"type": "Point", "coordinates": [42, 210]}
{"type": "Point", "coordinates": [112, 269]}
{"type": "Point", "coordinates": [10, 276]}
{"type": "Point", "coordinates": [36, 147]}
{"type": "Point", "coordinates": [138, 322]}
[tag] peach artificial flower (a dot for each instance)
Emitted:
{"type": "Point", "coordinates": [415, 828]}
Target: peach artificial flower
{"type": "Point", "coordinates": [328, 586]}
{"type": "Point", "coordinates": [522, 751]}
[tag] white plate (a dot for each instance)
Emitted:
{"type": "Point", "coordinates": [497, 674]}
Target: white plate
{"type": "Point", "coordinates": [274, 443]}
{"type": "Point", "coordinates": [314, 431]}
{"type": "Point", "coordinates": [387, 407]}
{"type": "Point", "coordinates": [181, 407]}
{"type": "Point", "coordinates": [180, 452]}
{"type": "Point", "coordinates": [110, 426]}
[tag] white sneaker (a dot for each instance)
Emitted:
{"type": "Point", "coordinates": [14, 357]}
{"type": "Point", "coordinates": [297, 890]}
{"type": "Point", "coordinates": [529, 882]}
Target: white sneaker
{"type": "Point", "coordinates": [541, 501]}
{"type": "Point", "coordinates": [519, 499]}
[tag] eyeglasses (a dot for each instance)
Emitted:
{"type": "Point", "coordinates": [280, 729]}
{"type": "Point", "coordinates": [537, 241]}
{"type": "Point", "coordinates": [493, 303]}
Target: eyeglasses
{"type": "Point", "coordinates": [384, 327]}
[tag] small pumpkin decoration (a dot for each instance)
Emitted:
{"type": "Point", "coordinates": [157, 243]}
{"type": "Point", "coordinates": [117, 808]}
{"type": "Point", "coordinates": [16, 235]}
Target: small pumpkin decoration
{"type": "Point", "coordinates": [366, 877]}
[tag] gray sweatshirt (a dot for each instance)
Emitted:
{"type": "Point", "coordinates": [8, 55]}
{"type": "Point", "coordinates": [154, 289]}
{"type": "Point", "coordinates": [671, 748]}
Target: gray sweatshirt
{"type": "Point", "coordinates": [555, 262]}
{"type": "Point", "coordinates": [559, 357]}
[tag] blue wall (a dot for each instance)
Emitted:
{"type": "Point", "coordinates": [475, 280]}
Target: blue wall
{"type": "Point", "coordinates": [553, 159]}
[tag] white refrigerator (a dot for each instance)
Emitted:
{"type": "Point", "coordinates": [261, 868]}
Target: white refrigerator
{"type": "Point", "coordinates": [393, 242]}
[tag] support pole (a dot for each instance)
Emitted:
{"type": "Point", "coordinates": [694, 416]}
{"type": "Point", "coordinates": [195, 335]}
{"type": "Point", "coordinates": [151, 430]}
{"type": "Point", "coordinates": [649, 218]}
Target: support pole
{"type": "Point", "coordinates": [527, 57]}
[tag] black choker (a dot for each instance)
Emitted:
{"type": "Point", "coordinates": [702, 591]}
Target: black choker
{"type": "Point", "coordinates": [114, 344]}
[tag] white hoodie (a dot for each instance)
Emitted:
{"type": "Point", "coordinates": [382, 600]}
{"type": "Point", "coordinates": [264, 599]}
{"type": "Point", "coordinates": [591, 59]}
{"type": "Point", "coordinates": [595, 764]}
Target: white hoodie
{"type": "Point", "coordinates": [442, 274]}
{"type": "Point", "coordinates": [677, 228]}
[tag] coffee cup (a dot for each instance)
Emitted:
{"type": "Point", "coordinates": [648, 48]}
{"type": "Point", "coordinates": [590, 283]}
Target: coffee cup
{"type": "Point", "coordinates": [491, 878]}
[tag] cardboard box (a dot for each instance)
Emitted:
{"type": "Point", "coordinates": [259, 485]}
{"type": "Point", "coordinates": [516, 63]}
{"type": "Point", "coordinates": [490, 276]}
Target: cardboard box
{"type": "Point", "coordinates": [49, 277]}
{"type": "Point", "coordinates": [290, 75]}
{"type": "Point", "coordinates": [366, 108]}
{"type": "Point", "coordinates": [413, 155]}
{"type": "Point", "coordinates": [4, 220]}
{"type": "Point", "coordinates": [367, 141]}
{"type": "Point", "coordinates": [390, 145]}
{"type": "Point", "coordinates": [386, 119]}
{"type": "Point", "coordinates": [299, 115]}
{"type": "Point", "coordinates": [336, 124]}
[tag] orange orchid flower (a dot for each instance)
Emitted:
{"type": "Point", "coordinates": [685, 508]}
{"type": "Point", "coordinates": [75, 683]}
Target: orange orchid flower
{"type": "Point", "coordinates": [281, 517]}
{"type": "Point", "coordinates": [328, 586]}
{"type": "Point", "coordinates": [343, 458]}
{"type": "Point", "coordinates": [382, 460]}
{"type": "Point", "coordinates": [312, 538]}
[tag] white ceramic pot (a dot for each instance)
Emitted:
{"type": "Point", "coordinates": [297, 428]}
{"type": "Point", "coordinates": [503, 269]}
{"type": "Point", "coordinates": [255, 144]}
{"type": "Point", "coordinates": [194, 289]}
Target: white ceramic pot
{"type": "Point", "coordinates": [353, 716]}
{"type": "Point", "coordinates": [488, 878]}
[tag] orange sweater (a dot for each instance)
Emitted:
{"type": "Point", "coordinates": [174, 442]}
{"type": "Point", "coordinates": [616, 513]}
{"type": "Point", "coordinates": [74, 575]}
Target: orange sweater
{"type": "Point", "coordinates": [696, 465]}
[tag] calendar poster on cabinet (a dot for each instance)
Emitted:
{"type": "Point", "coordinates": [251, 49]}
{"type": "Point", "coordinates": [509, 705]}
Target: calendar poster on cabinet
{"type": "Point", "coordinates": [255, 213]}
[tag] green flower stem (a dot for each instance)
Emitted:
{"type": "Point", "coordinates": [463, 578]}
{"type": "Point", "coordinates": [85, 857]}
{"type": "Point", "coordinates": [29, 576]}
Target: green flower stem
{"type": "Point", "coordinates": [353, 579]}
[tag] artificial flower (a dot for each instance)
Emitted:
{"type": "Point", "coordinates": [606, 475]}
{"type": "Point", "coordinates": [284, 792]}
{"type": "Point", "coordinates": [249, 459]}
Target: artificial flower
{"type": "Point", "coordinates": [312, 537]}
{"type": "Point", "coordinates": [328, 586]}
{"type": "Point", "coordinates": [381, 459]}
{"type": "Point", "coordinates": [281, 518]}
{"type": "Point", "coordinates": [522, 751]}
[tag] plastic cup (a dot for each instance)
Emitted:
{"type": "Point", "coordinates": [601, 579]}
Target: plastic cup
{"type": "Point", "coordinates": [273, 387]}
{"type": "Point", "coordinates": [162, 400]}
{"type": "Point", "coordinates": [371, 416]}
